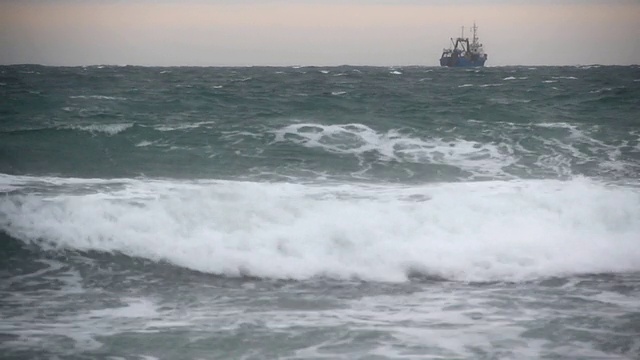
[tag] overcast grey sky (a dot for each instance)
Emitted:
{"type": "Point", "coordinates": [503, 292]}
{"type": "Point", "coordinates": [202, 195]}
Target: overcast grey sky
{"type": "Point", "coordinates": [315, 32]}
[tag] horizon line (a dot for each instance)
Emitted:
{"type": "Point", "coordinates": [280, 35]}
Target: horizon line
{"type": "Point", "coordinates": [313, 65]}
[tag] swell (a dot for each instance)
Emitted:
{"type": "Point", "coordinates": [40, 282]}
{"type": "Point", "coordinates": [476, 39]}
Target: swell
{"type": "Point", "coordinates": [481, 150]}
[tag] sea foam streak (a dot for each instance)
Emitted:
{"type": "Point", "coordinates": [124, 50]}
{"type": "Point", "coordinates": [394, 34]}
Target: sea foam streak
{"type": "Point", "coordinates": [481, 231]}
{"type": "Point", "coordinates": [109, 129]}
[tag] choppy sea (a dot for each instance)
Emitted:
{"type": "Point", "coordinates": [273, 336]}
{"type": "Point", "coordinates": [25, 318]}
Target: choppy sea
{"type": "Point", "coordinates": [319, 212]}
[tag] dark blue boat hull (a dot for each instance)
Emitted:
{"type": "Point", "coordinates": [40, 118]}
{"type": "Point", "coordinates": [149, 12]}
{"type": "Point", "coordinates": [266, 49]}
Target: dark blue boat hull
{"type": "Point", "coordinates": [461, 62]}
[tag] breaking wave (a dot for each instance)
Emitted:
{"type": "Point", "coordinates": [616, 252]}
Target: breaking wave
{"type": "Point", "coordinates": [478, 231]}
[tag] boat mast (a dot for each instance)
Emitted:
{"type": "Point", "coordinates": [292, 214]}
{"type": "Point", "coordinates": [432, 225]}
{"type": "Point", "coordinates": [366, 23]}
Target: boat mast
{"type": "Point", "coordinates": [475, 28]}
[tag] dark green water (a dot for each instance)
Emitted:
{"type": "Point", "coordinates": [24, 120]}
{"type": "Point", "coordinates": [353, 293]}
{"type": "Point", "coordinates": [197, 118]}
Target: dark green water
{"type": "Point", "coordinates": [323, 213]}
{"type": "Point", "coordinates": [415, 124]}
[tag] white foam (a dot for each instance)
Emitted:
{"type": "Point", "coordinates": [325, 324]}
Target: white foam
{"type": "Point", "coordinates": [395, 72]}
{"type": "Point", "coordinates": [499, 230]}
{"type": "Point", "coordinates": [134, 308]}
{"type": "Point", "coordinates": [637, 140]}
{"type": "Point", "coordinates": [358, 139]}
{"type": "Point", "coordinates": [509, 78]}
{"type": "Point", "coordinates": [606, 89]}
{"type": "Point", "coordinates": [51, 266]}
{"type": "Point", "coordinates": [97, 97]}
{"type": "Point", "coordinates": [561, 125]}
{"type": "Point", "coordinates": [110, 129]}
{"type": "Point", "coordinates": [84, 328]}
{"type": "Point", "coordinates": [600, 90]}
{"type": "Point", "coordinates": [144, 143]}
{"type": "Point", "coordinates": [568, 149]}
{"type": "Point", "coordinates": [24, 180]}
{"type": "Point", "coordinates": [184, 126]}
{"type": "Point", "coordinates": [338, 93]}
{"type": "Point", "coordinates": [508, 101]}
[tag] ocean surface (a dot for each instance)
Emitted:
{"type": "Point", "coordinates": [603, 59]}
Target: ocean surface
{"type": "Point", "coordinates": [319, 213]}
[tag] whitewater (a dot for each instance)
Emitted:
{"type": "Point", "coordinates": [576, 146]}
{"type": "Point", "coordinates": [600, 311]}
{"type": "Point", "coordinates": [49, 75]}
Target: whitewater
{"type": "Point", "coordinates": [304, 212]}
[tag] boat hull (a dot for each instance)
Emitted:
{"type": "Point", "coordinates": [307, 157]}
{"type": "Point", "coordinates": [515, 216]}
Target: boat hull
{"type": "Point", "coordinates": [461, 62]}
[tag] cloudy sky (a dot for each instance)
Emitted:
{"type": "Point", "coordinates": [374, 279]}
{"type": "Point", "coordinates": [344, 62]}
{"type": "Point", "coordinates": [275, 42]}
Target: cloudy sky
{"type": "Point", "coordinates": [315, 32]}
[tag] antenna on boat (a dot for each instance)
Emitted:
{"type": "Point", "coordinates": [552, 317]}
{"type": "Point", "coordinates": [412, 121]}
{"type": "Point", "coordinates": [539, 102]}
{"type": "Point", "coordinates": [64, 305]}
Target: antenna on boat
{"type": "Point", "coordinates": [462, 37]}
{"type": "Point", "coordinates": [475, 28]}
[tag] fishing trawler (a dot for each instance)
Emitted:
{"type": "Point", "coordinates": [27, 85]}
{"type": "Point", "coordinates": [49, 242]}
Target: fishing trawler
{"type": "Point", "coordinates": [463, 53]}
